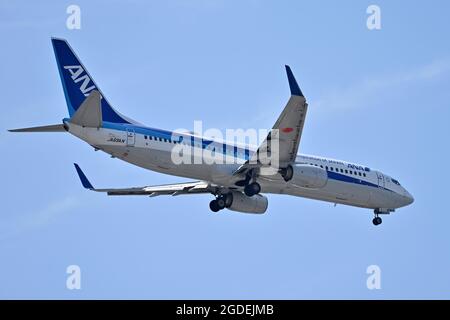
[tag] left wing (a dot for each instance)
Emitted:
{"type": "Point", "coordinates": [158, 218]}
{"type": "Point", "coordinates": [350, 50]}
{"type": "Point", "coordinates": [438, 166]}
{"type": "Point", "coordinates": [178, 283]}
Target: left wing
{"type": "Point", "coordinates": [152, 191]}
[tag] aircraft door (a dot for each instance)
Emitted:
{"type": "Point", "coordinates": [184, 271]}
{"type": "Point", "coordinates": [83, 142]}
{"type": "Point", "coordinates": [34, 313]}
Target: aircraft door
{"type": "Point", "coordinates": [131, 137]}
{"type": "Point", "coordinates": [381, 180]}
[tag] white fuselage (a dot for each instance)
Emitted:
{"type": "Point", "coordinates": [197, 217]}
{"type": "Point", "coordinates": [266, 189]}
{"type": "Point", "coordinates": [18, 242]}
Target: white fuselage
{"type": "Point", "coordinates": [152, 149]}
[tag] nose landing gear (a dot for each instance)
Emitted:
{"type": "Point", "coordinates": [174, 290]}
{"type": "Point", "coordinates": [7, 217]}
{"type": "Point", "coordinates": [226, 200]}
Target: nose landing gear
{"type": "Point", "coordinates": [377, 220]}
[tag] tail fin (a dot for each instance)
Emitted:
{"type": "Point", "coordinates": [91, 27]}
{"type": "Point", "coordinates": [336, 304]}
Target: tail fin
{"type": "Point", "coordinates": [78, 83]}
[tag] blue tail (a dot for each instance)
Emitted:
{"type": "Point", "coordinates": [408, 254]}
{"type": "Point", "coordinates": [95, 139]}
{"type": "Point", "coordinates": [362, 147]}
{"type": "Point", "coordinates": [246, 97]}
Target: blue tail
{"type": "Point", "coordinates": [78, 83]}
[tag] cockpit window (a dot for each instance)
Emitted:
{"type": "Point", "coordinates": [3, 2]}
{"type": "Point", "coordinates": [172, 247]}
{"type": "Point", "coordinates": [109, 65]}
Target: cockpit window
{"type": "Point", "coordinates": [395, 181]}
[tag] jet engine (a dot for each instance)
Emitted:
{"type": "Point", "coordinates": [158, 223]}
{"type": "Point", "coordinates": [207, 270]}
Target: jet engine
{"type": "Point", "coordinates": [308, 176]}
{"type": "Point", "coordinates": [237, 201]}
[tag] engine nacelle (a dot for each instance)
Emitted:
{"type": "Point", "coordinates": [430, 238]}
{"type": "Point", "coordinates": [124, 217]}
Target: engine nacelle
{"type": "Point", "coordinates": [308, 176]}
{"type": "Point", "coordinates": [241, 203]}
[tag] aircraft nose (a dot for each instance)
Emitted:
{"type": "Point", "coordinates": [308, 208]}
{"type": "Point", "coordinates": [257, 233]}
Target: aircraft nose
{"type": "Point", "coordinates": [408, 198]}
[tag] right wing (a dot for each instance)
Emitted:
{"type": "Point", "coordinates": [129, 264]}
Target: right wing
{"type": "Point", "coordinates": [152, 191]}
{"type": "Point", "coordinates": [289, 125]}
{"type": "Point", "coordinates": [287, 130]}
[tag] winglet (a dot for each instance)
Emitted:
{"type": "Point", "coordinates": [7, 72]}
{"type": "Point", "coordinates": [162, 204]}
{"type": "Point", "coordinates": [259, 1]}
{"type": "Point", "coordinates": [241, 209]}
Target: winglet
{"type": "Point", "coordinates": [293, 85]}
{"type": "Point", "coordinates": [84, 181]}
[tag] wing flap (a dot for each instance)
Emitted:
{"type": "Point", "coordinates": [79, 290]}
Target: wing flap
{"type": "Point", "coordinates": [158, 190]}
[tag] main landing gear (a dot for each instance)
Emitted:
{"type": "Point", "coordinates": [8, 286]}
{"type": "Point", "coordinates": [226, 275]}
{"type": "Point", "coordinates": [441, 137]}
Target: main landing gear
{"type": "Point", "coordinates": [252, 189]}
{"type": "Point", "coordinates": [221, 202]}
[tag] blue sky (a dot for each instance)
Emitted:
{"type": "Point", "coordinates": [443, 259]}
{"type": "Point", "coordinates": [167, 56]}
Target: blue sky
{"type": "Point", "coordinates": [378, 98]}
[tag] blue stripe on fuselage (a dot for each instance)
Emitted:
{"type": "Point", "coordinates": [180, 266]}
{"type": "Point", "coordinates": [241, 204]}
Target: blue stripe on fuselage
{"type": "Point", "coordinates": [165, 134]}
{"type": "Point", "coordinates": [345, 178]}
{"type": "Point", "coordinates": [227, 149]}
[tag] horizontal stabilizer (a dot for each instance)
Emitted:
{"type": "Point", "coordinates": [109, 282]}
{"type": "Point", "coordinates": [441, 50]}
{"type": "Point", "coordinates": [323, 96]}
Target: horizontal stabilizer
{"type": "Point", "coordinates": [50, 128]}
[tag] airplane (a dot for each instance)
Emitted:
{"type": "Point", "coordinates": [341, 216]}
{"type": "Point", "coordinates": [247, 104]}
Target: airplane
{"type": "Point", "coordinates": [237, 185]}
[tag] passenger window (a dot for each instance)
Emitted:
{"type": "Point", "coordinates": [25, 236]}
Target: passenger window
{"type": "Point", "coordinates": [351, 172]}
{"type": "Point", "coordinates": [359, 173]}
{"type": "Point", "coordinates": [364, 174]}
{"type": "Point", "coordinates": [326, 168]}
{"type": "Point", "coordinates": [342, 171]}
{"type": "Point", "coordinates": [346, 171]}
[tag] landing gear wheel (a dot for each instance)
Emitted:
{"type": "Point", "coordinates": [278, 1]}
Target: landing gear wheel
{"type": "Point", "coordinates": [221, 203]}
{"type": "Point", "coordinates": [252, 189]}
{"type": "Point", "coordinates": [214, 206]}
{"type": "Point", "coordinates": [377, 220]}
